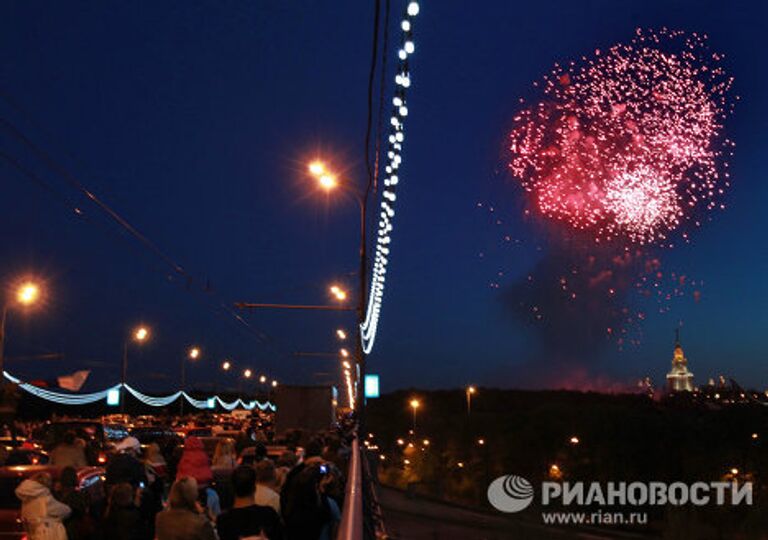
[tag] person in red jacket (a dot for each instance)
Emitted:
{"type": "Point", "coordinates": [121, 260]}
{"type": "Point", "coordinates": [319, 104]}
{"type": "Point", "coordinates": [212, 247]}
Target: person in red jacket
{"type": "Point", "coordinates": [194, 463]}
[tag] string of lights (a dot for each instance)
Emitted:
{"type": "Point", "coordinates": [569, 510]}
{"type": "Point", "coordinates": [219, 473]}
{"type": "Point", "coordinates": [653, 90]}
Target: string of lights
{"type": "Point", "coordinates": [391, 178]}
{"type": "Point", "coordinates": [56, 397]}
{"type": "Point", "coordinates": [152, 401]}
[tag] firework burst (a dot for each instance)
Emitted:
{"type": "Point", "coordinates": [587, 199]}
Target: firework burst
{"type": "Point", "coordinates": [627, 144]}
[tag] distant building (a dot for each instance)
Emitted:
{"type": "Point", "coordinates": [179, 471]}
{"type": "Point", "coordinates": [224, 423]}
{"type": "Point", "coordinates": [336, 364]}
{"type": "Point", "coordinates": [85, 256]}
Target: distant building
{"type": "Point", "coordinates": [679, 379]}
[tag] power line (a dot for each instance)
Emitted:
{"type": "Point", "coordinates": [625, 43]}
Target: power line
{"type": "Point", "coordinates": [123, 223]}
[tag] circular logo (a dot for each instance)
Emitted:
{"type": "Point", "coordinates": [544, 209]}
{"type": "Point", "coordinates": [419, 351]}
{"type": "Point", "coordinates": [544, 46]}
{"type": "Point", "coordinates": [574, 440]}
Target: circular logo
{"type": "Point", "coordinates": [510, 493]}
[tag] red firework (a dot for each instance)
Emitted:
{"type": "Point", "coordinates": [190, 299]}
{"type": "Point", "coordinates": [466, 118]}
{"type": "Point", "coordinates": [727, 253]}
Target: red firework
{"type": "Point", "coordinates": [627, 144]}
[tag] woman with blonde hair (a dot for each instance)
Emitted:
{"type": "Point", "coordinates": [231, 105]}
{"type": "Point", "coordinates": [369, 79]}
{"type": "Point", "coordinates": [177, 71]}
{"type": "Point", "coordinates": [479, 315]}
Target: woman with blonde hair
{"type": "Point", "coordinates": [185, 518]}
{"type": "Point", "coordinates": [224, 456]}
{"type": "Point", "coordinates": [154, 460]}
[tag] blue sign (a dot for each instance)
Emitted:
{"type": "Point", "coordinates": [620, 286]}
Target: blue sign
{"type": "Point", "coordinates": [371, 386]}
{"type": "Point", "coordinates": [113, 397]}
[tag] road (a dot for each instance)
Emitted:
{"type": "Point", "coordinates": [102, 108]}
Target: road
{"type": "Point", "coordinates": [419, 519]}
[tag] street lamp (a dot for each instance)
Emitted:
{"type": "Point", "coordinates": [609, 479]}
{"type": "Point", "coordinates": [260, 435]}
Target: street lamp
{"type": "Point", "coordinates": [226, 365]}
{"type": "Point", "coordinates": [328, 181]}
{"type": "Point", "coordinates": [140, 334]}
{"type": "Point", "coordinates": [415, 406]}
{"type": "Point", "coordinates": [338, 293]}
{"type": "Point", "coordinates": [470, 391]}
{"type": "Point", "coordinates": [193, 354]}
{"type": "Point", "coordinates": [341, 334]}
{"type": "Point", "coordinates": [26, 294]}
{"type": "Point", "coordinates": [247, 373]}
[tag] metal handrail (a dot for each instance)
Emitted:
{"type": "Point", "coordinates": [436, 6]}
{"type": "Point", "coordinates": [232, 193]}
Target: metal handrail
{"type": "Point", "coordinates": [351, 527]}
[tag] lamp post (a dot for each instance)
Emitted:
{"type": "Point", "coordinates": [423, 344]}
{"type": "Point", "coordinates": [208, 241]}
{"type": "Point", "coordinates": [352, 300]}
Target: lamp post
{"type": "Point", "coordinates": [226, 365]}
{"type": "Point", "coordinates": [470, 391]}
{"type": "Point", "coordinates": [415, 404]}
{"type": "Point", "coordinates": [193, 354]}
{"type": "Point", "coordinates": [139, 335]}
{"type": "Point", "coordinates": [327, 180]}
{"type": "Point", "coordinates": [26, 294]}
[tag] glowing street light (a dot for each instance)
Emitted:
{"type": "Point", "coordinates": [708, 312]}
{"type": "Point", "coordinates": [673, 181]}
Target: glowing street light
{"type": "Point", "coordinates": [247, 373]}
{"type": "Point", "coordinates": [326, 179]}
{"type": "Point", "coordinates": [338, 293]}
{"type": "Point", "coordinates": [574, 440]}
{"type": "Point", "coordinates": [192, 354]}
{"type": "Point", "coordinates": [316, 168]}
{"type": "Point", "coordinates": [341, 334]}
{"type": "Point", "coordinates": [344, 353]}
{"type": "Point", "coordinates": [470, 391]}
{"type": "Point", "coordinates": [226, 365]}
{"type": "Point", "coordinates": [28, 293]}
{"type": "Point", "coordinates": [263, 379]}
{"type": "Point", "coordinates": [415, 404]}
{"type": "Point", "coordinates": [140, 334]}
{"type": "Point", "coordinates": [274, 384]}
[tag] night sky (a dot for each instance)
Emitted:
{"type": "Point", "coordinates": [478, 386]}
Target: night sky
{"type": "Point", "coordinates": [195, 121]}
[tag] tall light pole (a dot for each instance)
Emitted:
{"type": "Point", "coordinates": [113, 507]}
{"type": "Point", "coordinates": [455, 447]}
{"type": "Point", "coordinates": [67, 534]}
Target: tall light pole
{"type": "Point", "coordinates": [327, 180]}
{"type": "Point", "coordinates": [193, 354]}
{"type": "Point", "coordinates": [415, 404]}
{"type": "Point", "coordinates": [26, 294]}
{"type": "Point", "coordinates": [470, 391]}
{"type": "Point", "coordinates": [139, 335]}
{"type": "Point", "coordinates": [226, 365]}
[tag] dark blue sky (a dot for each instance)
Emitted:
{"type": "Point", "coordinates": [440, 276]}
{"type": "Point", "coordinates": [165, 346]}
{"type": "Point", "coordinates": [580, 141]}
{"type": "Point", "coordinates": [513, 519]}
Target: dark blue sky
{"type": "Point", "coordinates": [195, 120]}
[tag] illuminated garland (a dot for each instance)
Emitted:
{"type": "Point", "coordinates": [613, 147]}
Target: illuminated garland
{"type": "Point", "coordinates": [394, 151]}
{"type": "Point", "coordinates": [152, 401]}
{"type": "Point", "coordinates": [56, 397]}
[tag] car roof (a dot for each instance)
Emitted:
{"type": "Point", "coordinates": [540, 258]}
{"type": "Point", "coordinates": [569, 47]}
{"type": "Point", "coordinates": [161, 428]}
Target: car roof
{"type": "Point", "coordinates": [29, 470]}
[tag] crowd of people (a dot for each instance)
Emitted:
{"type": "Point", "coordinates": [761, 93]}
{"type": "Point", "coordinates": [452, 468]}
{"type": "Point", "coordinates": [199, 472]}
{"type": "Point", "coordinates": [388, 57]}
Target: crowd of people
{"type": "Point", "coordinates": [154, 493]}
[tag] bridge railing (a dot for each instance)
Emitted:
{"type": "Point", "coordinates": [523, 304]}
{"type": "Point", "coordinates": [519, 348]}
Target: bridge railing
{"type": "Point", "coordinates": [352, 518]}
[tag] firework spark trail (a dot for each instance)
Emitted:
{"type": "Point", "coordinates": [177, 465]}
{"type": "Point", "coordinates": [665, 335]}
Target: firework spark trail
{"type": "Point", "coordinates": [627, 145]}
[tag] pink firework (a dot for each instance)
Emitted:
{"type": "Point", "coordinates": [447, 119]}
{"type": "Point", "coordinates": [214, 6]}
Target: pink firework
{"type": "Point", "coordinates": [627, 144]}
